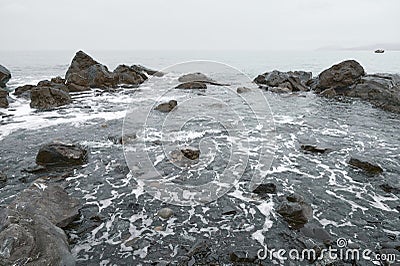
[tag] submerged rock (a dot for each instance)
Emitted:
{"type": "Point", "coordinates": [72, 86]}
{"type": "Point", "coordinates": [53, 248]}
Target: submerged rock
{"type": "Point", "coordinates": [166, 107]}
{"type": "Point", "coordinates": [342, 75]}
{"type": "Point", "coordinates": [59, 154]}
{"type": "Point", "coordinates": [314, 149]}
{"type": "Point", "coordinates": [165, 213]}
{"type": "Point", "coordinates": [5, 76]}
{"type": "Point", "coordinates": [3, 98]}
{"type": "Point", "coordinates": [45, 98]}
{"type": "Point", "coordinates": [242, 89]}
{"type": "Point", "coordinates": [365, 166]}
{"type": "Point", "coordinates": [264, 189]}
{"type": "Point", "coordinates": [192, 86]}
{"type": "Point", "coordinates": [286, 81]}
{"type": "Point", "coordinates": [295, 211]}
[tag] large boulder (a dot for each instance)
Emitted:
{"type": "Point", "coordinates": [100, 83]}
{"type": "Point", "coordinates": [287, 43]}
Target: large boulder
{"type": "Point", "coordinates": [340, 76]}
{"type": "Point", "coordinates": [3, 98]}
{"type": "Point", "coordinates": [45, 98]}
{"type": "Point", "coordinates": [59, 154]}
{"type": "Point", "coordinates": [84, 71]}
{"type": "Point", "coordinates": [5, 76]}
{"type": "Point", "coordinates": [286, 81]}
{"type": "Point", "coordinates": [295, 211]}
{"type": "Point", "coordinates": [28, 227]}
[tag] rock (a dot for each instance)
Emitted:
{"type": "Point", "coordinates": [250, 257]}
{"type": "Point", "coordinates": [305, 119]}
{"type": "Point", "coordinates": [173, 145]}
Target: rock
{"type": "Point", "coordinates": [165, 213]}
{"type": "Point", "coordinates": [200, 78]}
{"type": "Point", "coordinates": [5, 76]}
{"type": "Point", "coordinates": [316, 232]}
{"type": "Point", "coordinates": [264, 189]}
{"type": "Point", "coordinates": [3, 98]}
{"type": "Point", "coordinates": [129, 75]}
{"type": "Point", "coordinates": [314, 149]}
{"type": "Point", "coordinates": [33, 240]}
{"type": "Point", "coordinates": [76, 88]}
{"type": "Point", "coordinates": [329, 93]}
{"type": "Point", "coordinates": [191, 153]}
{"type": "Point", "coordinates": [295, 211]}
{"type": "Point", "coordinates": [382, 91]}
{"type": "Point", "coordinates": [291, 81]}
{"type": "Point", "coordinates": [61, 154]}
{"type": "Point", "coordinates": [342, 75]}
{"type": "Point", "coordinates": [3, 177]}
{"type": "Point", "coordinates": [242, 90]}
{"type": "Point", "coordinates": [24, 91]}
{"type": "Point", "coordinates": [45, 98]}
{"type": "Point", "coordinates": [192, 86]}
{"type": "Point", "coordinates": [50, 201]}
{"type": "Point", "coordinates": [365, 166]}
{"type": "Point", "coordinates": [167, 107]}
{"type": "Point", "coordinates": [390, 189]}
{"type": "Point", "coordinates": [84, 71]}
{"type": "Point", "coordinates": [279, 90]}
{"type": "Point", "coordinates": [142, 69]}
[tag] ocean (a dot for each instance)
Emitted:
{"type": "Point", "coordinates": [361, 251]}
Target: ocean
{"type": "Point", "coordinates": [255, 137]}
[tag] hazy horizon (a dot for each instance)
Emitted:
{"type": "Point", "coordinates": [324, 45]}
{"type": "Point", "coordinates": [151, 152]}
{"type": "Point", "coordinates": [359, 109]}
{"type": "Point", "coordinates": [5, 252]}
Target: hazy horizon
{"type": "Point", "coordinates": [199, 25]}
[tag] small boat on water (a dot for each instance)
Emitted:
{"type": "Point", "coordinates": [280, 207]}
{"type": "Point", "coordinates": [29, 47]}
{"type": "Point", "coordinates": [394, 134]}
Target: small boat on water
{"type": "Point", "coordinates": [379, 51]}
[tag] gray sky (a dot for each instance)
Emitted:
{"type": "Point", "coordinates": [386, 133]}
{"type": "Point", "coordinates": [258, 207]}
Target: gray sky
{"type": "Point", "coordinates": [200, 24]}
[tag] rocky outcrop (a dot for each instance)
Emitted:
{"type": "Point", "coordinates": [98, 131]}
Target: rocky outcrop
{"type": "Point", "coordinates": [295, 211]}
{"type": "Point", "coordinates": [285, 81]}
{"type": "Point", "coordinates": [30, 232]}
{"type": "Point", "coordinates": [166, 107]}
{"type": "Point", "coordinates": [46, 98]}
{"type": "Point", "coordinates": [3, 98]}
{"type": "Point", "coordinates": [340, 76]}
{"type": "Point", "coordinates": [129, 75]}
{"type": "Point", "coordinates": [59, 154]}
{"type": "Point", "coordinates": [192, 86]}
{"type": "Point", "coordinates": [367, 167]}
{"type": "Point", "coordinates": [5, 76]}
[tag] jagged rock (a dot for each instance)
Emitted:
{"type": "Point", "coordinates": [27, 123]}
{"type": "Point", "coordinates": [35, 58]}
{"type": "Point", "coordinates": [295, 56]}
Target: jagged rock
{"type": "Point", "coordinates": [24, 91]}
{"type": "Point", "coordinates": [291, 81]}
{"type": "Point", "coordinates": [129, 75]}
{"type": "Point", "coordinates": [3, 98]}
{"type": "Point", "coordinates": [192, 86]}
{"type": "Point", "coordinates": [45, 98]}
{"type": "Point", "coordinates": [143, 69]}
{"type": "Point", "coordinates": [342, 75]}
{"type": "Point", "coordinates": [61, 154]}
{"type": "Point", "coordinates": [365, 166]}
{"type": "Point", "coordinates": [167, 107]}
{"type": "Point", "coordinates": [5, 76]}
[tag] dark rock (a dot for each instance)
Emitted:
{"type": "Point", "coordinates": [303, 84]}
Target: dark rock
{"type": "Point", "coordinates": [84, 71]}
{"type": "Point", "coordinates": [185, 156]}
{"type": "Point", "coordinates": [167, 107]}
{"type": "Point", "coordinates": [129, 75]}
{"type": "Point", "coordinates": [342, 75]}
{"type": "Point", "coordinates": [165, 213]}
{"type": "Point", "coordinates": [242, 90]}
{"type": "Point", "coordinates": [76, 88]}
{"type": "Point", "coordinates": [264, 189]}
{"type": "Point", "coordinates": [316, 232]}
{"type": "Point", "coordinates": [3, 98]}
{"type": "Point", "coordinates": [287, 81]}
{"type": "Point", "coordinates": [279, 90]}
{"type": "Point", "coordinates": [50, 201]}
{"type": "Point", "coordinates": [329, 93]}
{"type": "Point", "coordinates": [142, 69]}
{"type": "Point", "coordinates": [3, 177]}
{"type": "Point", "coordinates": [24, 91]}
{"type": "Point", "coordinates": [190, 153]}
{"type": "Point", "coordinates": [390, 189]}
{"type": "Point", "coordinates": [200, 78]}
{"type": "Point", "coordinates": [5, 76]}
{"type": "Point", "coordinates": [192, 86]}
{"type": "Point", "coordinates": [295, 211]}
{"type": "Point", "coordinates": [61, 154]}
{"type": "Point", "coordinates": [382, 91]}
{"type": "Point", "coordinates": [45, 98]}
{"type": "Point", "coordinates": [314, 149]}
{"type": "Point", "coordinates": [125, 139]}
{"type": "Point", "coordinates": [365, 166]}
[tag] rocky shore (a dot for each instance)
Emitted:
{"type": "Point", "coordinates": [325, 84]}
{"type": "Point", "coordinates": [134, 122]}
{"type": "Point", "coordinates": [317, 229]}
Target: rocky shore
{"type": "Point", "coordinates": [54, 211]}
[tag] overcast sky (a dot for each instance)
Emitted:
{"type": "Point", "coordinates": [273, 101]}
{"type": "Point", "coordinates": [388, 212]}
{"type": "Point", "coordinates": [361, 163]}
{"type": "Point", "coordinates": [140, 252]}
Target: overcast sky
{"type": "Point", "coordinates": [200, 24]}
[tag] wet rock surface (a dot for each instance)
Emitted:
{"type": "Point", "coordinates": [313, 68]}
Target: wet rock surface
{"type": "Point", "coordinates": [192, 86]}
{"type": "Point", "coordinates": [46, 98]}
{"type": "Point", "coordinates": [166, 107]}
{"type": "Point", "coordinates": [5, 76]}
{"type": "Point", "coordinates": [295, 211]}
{"type": "Point", "coordinates": [286, 81]}
{"type": "Point", "coordinates": [61, 154]}
{"type": "Point", "coordinates": [29, 232]}
{"type": "Point", "coordinates": [367, 167]}
{"type": "Point", "coordinates": [3, 98]}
